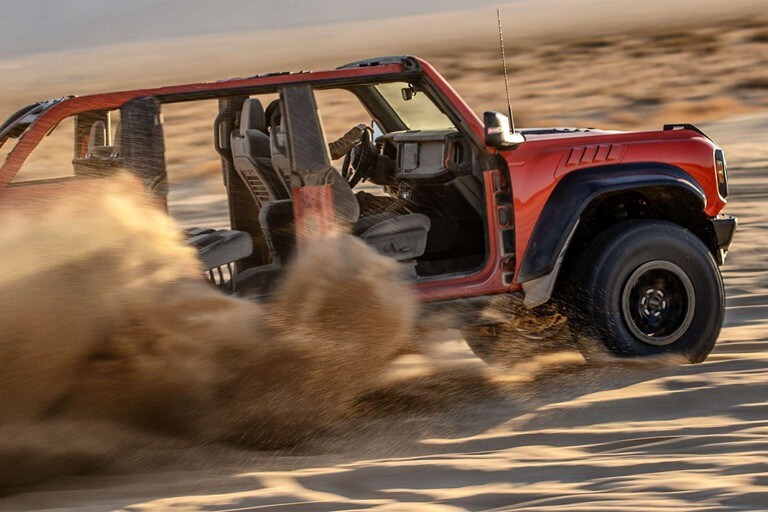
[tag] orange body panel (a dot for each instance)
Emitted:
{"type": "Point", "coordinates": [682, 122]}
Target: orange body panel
{"type": "Point", "coordinates": [537, 166]}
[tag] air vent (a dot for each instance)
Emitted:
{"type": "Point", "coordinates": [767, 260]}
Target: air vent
{"type": "Point", "coordinates": [583, 156]}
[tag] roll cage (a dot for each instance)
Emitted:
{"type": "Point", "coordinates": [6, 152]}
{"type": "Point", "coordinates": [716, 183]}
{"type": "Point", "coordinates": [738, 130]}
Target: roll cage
{"type": "Point", "coordinates": [35, 120]}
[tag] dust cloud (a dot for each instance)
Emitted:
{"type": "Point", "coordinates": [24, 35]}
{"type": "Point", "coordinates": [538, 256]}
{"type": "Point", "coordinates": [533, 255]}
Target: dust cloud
{"type": "Point", "coordinates": [110, 337]}
{"type": "Point", "coordinates": [114, 348]}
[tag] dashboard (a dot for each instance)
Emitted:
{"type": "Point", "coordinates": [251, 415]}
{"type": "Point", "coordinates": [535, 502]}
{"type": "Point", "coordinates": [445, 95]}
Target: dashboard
{"type": "Point", "coordinates": [429, 156]}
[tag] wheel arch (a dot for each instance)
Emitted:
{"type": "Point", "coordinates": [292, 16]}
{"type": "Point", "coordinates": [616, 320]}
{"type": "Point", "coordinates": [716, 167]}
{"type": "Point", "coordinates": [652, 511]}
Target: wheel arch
{"type": "Point", "coordinates": [596, 198]}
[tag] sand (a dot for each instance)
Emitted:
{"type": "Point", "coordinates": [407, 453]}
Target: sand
{"type": "Point", "coordinates": [443, 433]}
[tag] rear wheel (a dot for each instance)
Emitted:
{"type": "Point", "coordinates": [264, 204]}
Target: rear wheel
{"type": "Point", "coordinates": [648, 287]}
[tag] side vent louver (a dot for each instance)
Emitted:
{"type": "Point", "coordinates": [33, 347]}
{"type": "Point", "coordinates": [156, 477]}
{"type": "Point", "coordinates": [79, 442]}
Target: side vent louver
{"type": "Point", "coordinates": [585, 156]}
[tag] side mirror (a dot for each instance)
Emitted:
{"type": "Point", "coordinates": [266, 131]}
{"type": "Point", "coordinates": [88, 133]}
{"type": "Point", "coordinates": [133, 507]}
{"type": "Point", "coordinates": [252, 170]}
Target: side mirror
{"type": "Point", "coordinates": [498, 133]}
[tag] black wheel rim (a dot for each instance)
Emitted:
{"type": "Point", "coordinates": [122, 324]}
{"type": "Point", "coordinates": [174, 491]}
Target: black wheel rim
{"type": "Point", "coordinates": [658, 303]}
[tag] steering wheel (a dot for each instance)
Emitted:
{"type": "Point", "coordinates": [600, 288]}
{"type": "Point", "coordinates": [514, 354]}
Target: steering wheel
{"type": "Point", "coordinates": [360, 160]}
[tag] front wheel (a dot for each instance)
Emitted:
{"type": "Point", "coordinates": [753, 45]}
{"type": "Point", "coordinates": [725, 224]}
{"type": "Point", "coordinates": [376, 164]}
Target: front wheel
{"type": "Point", "coordinates": [649, 287]}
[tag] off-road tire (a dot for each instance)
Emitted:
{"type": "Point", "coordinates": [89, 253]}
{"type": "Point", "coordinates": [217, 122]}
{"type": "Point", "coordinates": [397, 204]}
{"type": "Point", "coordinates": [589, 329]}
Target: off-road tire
{"type": "Point", "coordinates": [647, 287]}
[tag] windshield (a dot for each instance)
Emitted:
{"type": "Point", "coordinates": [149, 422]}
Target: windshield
{"type": "Point", "coordinates": [418, 112]}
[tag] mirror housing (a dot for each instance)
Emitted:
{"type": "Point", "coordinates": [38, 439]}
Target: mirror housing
{"type": "Point", "coordinates": [408, 93]}
{"type": "Point", "coordinates": [498, 133]}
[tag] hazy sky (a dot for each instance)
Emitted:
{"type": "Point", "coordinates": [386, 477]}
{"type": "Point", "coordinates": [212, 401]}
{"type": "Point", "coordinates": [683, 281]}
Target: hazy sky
{"type": "Point", "coordinates": [31, 26]}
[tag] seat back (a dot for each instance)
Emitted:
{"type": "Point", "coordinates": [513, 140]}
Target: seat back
{"type": "Point", "coordinates": [279, 228]}
{"type": "Point", "coordinates": [97, 143]}
{"type": "Point", "coordinates": [344, 200]}
{"type": "Point", "coordinates": [251, 155]}
{"type": "Point", "coordinates": [401, 237]}
{"type": "Point", "coordinates": [100, 159]}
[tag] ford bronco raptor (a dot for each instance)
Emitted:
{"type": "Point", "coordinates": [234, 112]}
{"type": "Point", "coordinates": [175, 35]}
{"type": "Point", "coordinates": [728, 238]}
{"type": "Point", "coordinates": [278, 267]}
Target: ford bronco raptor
{"type": "Point", "coordinates": [619, 232]}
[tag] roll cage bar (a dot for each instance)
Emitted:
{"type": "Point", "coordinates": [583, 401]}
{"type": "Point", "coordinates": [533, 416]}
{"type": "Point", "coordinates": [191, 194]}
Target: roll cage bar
{"type": "Point", "coordinates": [20, 121]}
{"type": "Point", "coordinates": [360, 73]}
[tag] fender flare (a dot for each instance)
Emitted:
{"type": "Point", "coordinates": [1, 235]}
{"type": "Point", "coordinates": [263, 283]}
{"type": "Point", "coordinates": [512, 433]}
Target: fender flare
{"type": "Point", "coordinates": [561, 214]}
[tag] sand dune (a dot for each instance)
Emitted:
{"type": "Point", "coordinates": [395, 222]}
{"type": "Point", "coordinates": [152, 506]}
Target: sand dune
{"type": "Point", "coordinates": [553, 434]}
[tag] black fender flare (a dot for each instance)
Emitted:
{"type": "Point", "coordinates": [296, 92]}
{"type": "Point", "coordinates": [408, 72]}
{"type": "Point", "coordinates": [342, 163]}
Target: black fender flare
{"type": "Point", "coordinates": [572, 195]}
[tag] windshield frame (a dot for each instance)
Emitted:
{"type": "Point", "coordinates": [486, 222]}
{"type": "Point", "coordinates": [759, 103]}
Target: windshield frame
{"type": "Point", "coordinates": [419, 113]}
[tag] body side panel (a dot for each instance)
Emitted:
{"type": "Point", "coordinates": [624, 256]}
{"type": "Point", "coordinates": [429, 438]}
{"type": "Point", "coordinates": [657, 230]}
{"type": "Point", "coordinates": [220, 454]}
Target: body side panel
{"type": "Point", "coordinates": [537, 167]}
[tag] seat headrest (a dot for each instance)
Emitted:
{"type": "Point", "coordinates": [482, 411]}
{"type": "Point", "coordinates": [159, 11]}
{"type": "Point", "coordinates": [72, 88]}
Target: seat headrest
{"type": "Point", "coordinates": [252, 117]}
{"type": "Point", "coordinates": [97, 136]}
{"type": "Point", "coordinates": [273, 113]}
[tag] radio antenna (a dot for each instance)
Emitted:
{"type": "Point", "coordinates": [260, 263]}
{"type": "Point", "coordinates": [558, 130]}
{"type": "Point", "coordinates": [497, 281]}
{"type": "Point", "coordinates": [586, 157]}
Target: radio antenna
{"type": "Point", "coordinates": [504, 64]}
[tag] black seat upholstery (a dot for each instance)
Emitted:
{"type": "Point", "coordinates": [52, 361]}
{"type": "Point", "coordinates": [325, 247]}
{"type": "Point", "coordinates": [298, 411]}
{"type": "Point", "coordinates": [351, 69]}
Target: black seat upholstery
{"type": "Point", "coordinates": [402, 237]}
{"type": "Point", "coordinates": [219, 247]}
{"type": "Point", "coordinates": [277, 224]}
{"type": "Point", "coordinates": [252, 157]}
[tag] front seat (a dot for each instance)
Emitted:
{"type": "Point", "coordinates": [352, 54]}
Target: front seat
{"type": "Point", "coordinates": [251, 155]}
{"type": "Point", "coordinates": [402, 237]}
{"type": "Point", "coordinates": [100, 159]}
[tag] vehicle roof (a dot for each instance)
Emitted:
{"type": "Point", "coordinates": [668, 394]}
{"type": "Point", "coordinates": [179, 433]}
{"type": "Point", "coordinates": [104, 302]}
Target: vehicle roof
{"type": "Point", "coordinates": [392, 68]}
{"type": "Point", "coordinates": [18, 122]}
{"type": "Point", "coordinates": [381, 67]}
{"type": "Point", "coordinates": [24, 118]}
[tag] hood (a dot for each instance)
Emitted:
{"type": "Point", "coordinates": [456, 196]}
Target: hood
{"type": "Point", "coordinates": [563, 133]}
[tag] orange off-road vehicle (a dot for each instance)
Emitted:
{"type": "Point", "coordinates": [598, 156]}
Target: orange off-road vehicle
{"type": "Point", "coordinates": [621, 231]}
